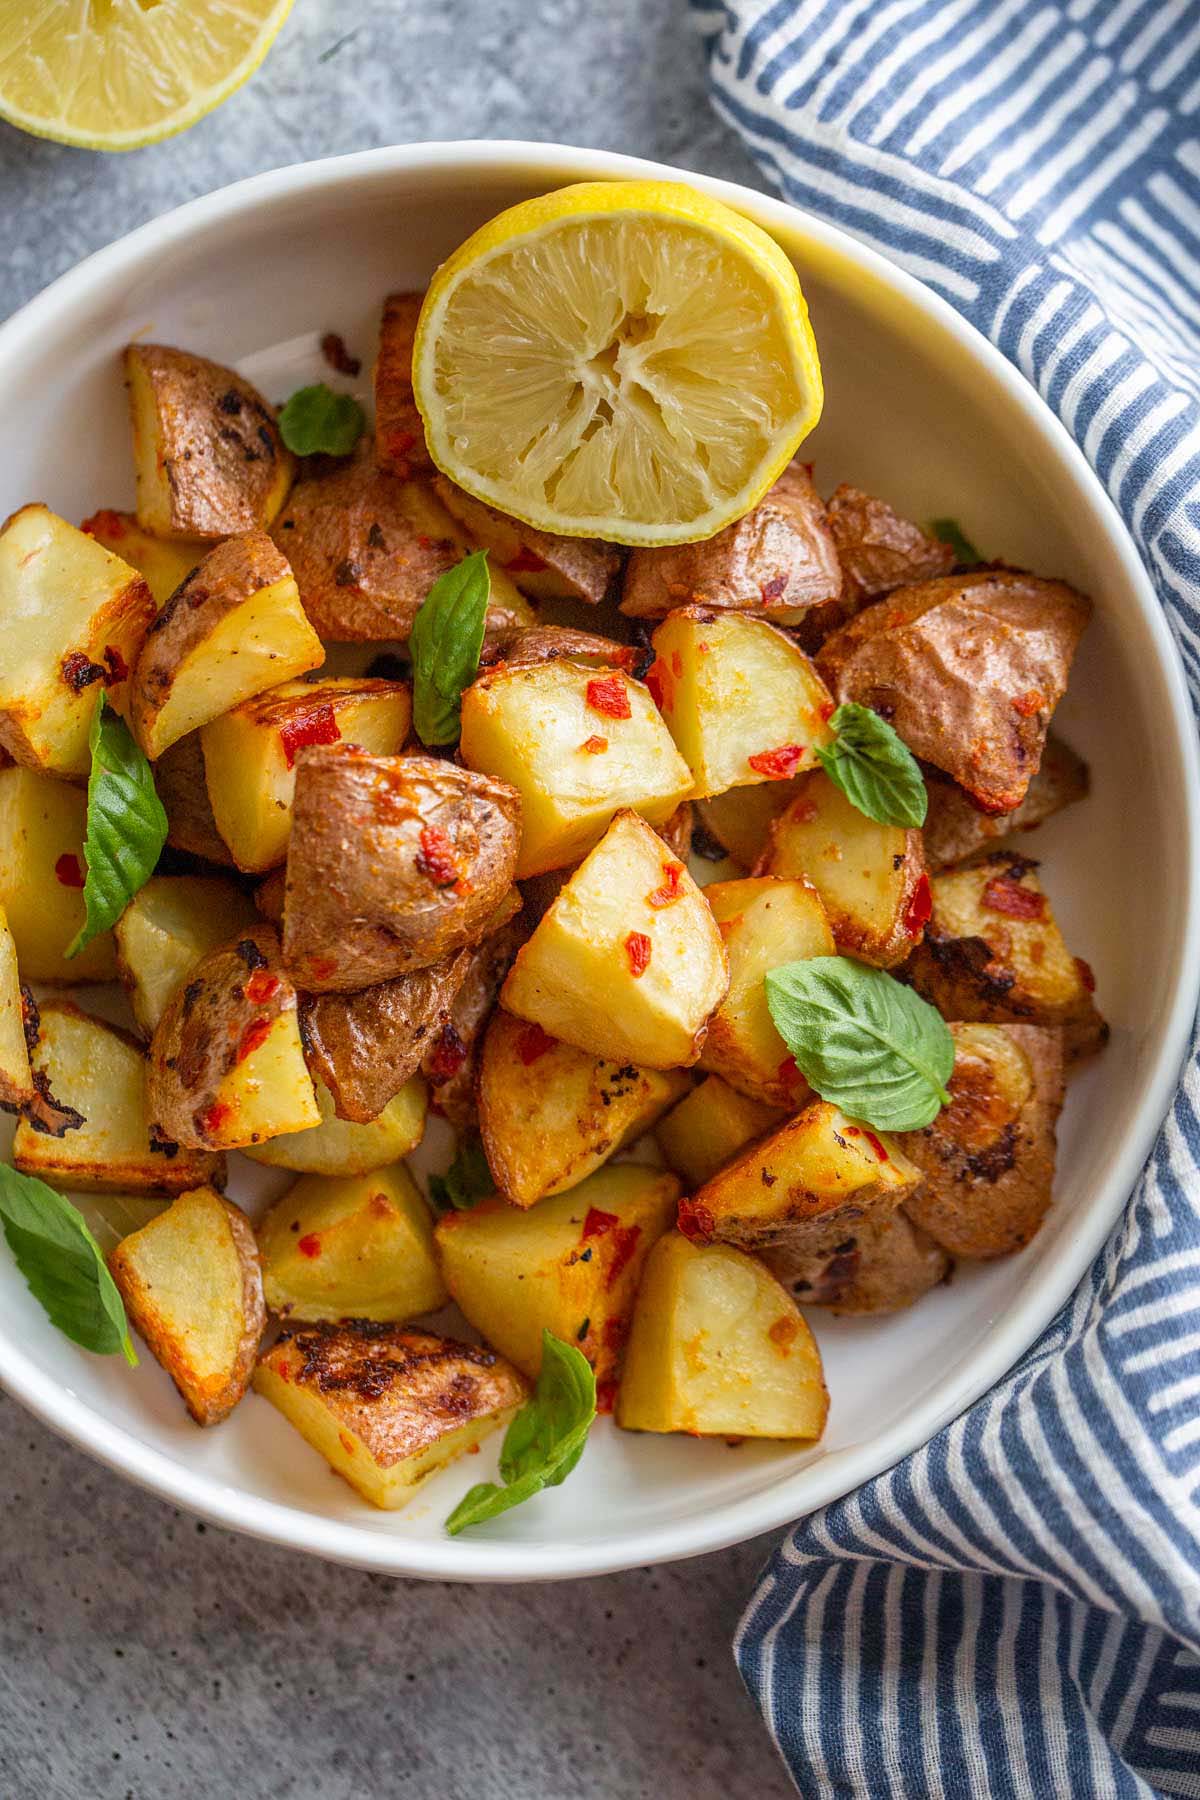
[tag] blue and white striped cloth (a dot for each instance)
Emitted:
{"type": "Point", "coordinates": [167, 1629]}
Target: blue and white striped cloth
{"type": "Point", "coordinates": [1004, 1614]}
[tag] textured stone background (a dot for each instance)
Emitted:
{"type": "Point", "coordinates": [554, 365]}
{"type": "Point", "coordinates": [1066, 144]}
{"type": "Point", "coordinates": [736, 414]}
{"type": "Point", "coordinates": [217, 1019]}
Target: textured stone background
{"type": "Point", "coordinates": [141, 1654]}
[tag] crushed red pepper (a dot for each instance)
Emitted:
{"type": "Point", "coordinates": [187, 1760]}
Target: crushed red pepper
{"type": "Point", "coordinates": [920, 908]}
{"type": "Point", "coordinates": [607, 694]}
{"type": "Point", "coordinates": [448, 1056]}
{"type": "Point", "coordinates": [320, 726]}
{"type": "Point", "coordinates": [659, 680]}
{"type": "Point", "coordinates": [309, 1245]}
{"type": "Point", "coordinates": [695, 1221]}
{"type": "Point", "coordinates": [215, 1116]}
{"type": "Point", "coordinates": [606, 1396]}
{"type": "Point", "coordinates": [1003, 895]}
{"type": "Point", "coordinates": [437, 858]}
{"type": "Point", "coordinates": [79, 671]}
{"type": "Point", "coordinates": [1028, 703]}
{"type": "Point", "coordinates": [671, 889]}
{"type": "Point", "coordinates": [68, 871]}
{"type": "Point", "coordinates": [594, 746]}
{"type": "Point", "coordinates": [637, 949]}
{"type": "Point", "coordinates": [534, 1043]}
{"type": "Point", "coordinates": [114, 662]}
{"type": "Point", "coordinates": [262, 986]}
{"type": "Point", "coordinates": [253, 1038]}
{"type": "Point", "coordinates": [526, 562]}
{"type": "Point", "coordinates": [777, 765]}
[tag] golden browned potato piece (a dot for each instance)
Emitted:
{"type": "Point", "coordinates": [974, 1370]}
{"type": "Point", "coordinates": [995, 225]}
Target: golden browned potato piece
{"type": "Point", "coordinates": [399, 430]}
{"type": "Point", "coordinates": [166, 928]}
{"type": "Point", "coordinates": [524, 646]}
{"type": "Point", "coordinates": [988, 1157]}
{"type": "Point", "coordinates": [993, 951]}
{"type": "Point", "coordinates": [779, 562]}
{"type": "Point", "coordinates": [234, 629]}
{"type": "Point", "coordinates": [366, 547]}
{"type": "Point", "coordinates": [709, 1126]}
{"type": "Point", "coordinates": [387, 1405]}
{"type": "Point", "coordinates": [226, 1062]}
{"type": "Point", "coordinates": [808, 1185]}
{"type": "Point", "coordinates": [871, 877]}
{"type": "Point", "coordinates": [543, 565]}
{"type": "Point", "coordinates": [549, 1114]}
{"type": "Point", "coordinates": [18, 1028]}
{"type": "Point", "coordinates": [879, 550]}
{"type": "Point", "coordinates": [343, 1146]}
{"type": "Point", "coordinates": [954, 829]}
{"type": "Point", "coordinates": [968, 669]}
{"type": "Point", "coordinates": [179, 780]}
{"type": "Point", "coordinates": [451, 1062]}
{"type": "Point", "coordinates": [72, 620]}
{"type": "Point", "coordinates": [394, 862]}
{"type": "Point", "coordinates": [192, 1287]}
{"type": "Point", "coordinates": [363, 1047]}
{"type": "Point", "coordinates": [164, 562]}
{"type": "Point", "coordinates": [42, 872]}
{"type": "Point", "coordinates": [210, 461]}
{"type": "Point", "coordinates": [881, 1267]}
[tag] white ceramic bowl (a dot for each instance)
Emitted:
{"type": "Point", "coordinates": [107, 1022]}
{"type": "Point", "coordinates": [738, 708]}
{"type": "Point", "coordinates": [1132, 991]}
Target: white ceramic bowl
{"type": "Point", "coordinates": [919, 408]}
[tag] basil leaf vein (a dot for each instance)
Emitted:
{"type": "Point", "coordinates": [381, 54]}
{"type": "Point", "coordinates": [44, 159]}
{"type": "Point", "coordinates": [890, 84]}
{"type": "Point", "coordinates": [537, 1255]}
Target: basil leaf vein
{"type": "Point", "coordinates": [126, 825]}
{"type": "Point", "coordinates": [63, 1265]}
{"type": "Point", "coordinates": [545, 1440]}
{"type": "Point", "coordinates": [875, 769]}
{"type": "Point", "coordinates": [447, 637]}
{"type": "Point", "coordinates": [465, 1183]}
{"type": "Point", "coordinates": [316, 419]}
{"type": "Point", "coordinates": [863, 1040]}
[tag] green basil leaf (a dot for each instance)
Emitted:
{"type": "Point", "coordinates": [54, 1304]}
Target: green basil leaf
{"type": "Point", "coordinates": [864, 1041]}
{"type": "Point", "coordinates": [466, 1182]}
{"type": "Point", "coordinates": [63, 1265]}
{"type": "Point", "coordinates": [447, 636]}
{"type": "Point", "coordinates": [315, 419]}
{"type": "Point", "coordinates": [949, 531]}
{"type": "Point", "coordinates": [126, 825]}
{"type": "Point", "coordinates": [874, 768]}
{"type": "Point", "coordinates": [544, 1441]}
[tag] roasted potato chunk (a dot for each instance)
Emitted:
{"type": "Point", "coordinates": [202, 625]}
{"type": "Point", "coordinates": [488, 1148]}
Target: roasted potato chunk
{"type": "Point", "coordinates": [740, 820]}
{"type": "Point", "coordinates": [451, 1062]}
{"type": "Point", "coordinates": [878, 550]}
{"type": "Point", "coordinates": [542, 564]}
{"type": "Point", "coordinates": [340, 1147]}
{"type": "Point", "coordinates": [993, 951]}
{"type": "Point", "coordinates": [250, 754]}
{"type": "Point", "coordinates": [743, 703]}
{"type": "Point", "coordinates": [968, 668]}
{"type": "Point", "coordinates": [351, 1247]}
{"type": "Point", "coordinates": [779, 562]}
{"type": "Point", "coordinates": [386, 1406]}
{"type": "Point", "coordinates": [366, 547]}
{"type": "Point", "coordinates": [524, 646]}
{"type": "Point", "coordinates": [954, 829]}
{"type": "Point", "coordinates": [179, 779]}
{"type": "Point", "coordinates": [99, 1073]}
{"type": "Point", "coordinates": [808, 1185]}
{"type": "Point", "coordinates": [162, 562]}
{"type": "Point", "coordinates": [209, 458]}
{"type": "Point", "coordinates": [550, 1114]}
{"type": "Point", "coordinates": [709, 1126]}
{"type": "Point", "coordinates": [718, 1349]}
{"type": "Point", "coordinates": [226, 1062]}
{"type": "Point", "coordinates": [192, 1287]}
{"type": "Point", "coordinates": [42, 872]}
{"type": "Point", "coordinates": [988, 1157]}
{"type": "Point", "coordinates": [570, 1264]}
{"type": "Point", "coordinates": [72, 619]}
{"type": "Point", "coordinates": [764, 922]}
{"type": "Point", "coordinates": [364, 1047]}
{"type": "Point", "coordinates": [394, 862]}
{"type": "Point", "coordinates": [871, 877]}
{"type": "Point", "coordinates": [881, 1267]}
{"type": "Point", "coordinates": [16, 1077]}
{"type": "Point", "coordinates": [165, 930]}
{"type": "Point", "coordinates": [399, 430]}
{"type": "Point", "coordinates": [234, 629]}
{"type": "Point", "coordinates": [628, 961]}
{"type": "Point", "coordinates": [577, 745]}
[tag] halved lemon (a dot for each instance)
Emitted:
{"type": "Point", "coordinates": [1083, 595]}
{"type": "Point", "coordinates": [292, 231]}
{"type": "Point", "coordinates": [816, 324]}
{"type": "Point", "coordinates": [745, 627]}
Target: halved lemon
{"type": "Point", "coordinates": [629, 360]}
{"type": "Point", "coordinates": [116, 74]}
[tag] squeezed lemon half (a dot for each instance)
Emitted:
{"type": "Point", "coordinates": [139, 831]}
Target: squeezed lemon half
{"type": "Point", "coordinates": [116, 74]}
{"type": "Point", "coordinates": [629, 360]}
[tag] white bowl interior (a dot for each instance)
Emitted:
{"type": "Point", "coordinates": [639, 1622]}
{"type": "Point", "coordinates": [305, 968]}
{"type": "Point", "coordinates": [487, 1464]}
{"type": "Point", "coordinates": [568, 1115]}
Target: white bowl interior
{"type": "Point", "coordinates": [915, 410]}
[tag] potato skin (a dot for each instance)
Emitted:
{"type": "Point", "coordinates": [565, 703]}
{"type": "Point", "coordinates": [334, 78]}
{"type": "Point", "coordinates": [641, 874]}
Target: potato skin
{"type": "Point", "coordinates": [542, 563]}
{"type": "Point", "coordinates": [522, 646]}
{"type": "Point", "coordinates": [179, 780]}
{"type": "Point", "coordinates": [880, 1267]}
{"type": "Point", "coordinates": [879, 550]}
{"type": "Point", "coordinates": [954, 829]}
{"type": "Point", "coordinates": [394, 862]}
{"type": "Point", "coordinates": [399, 430]}
{"type": "Point", "coordinates": [219, 465]}
{"type": "Point", "coordinates": [451, 1061]}
{"type": "Point", "coordinates": [968, 669]}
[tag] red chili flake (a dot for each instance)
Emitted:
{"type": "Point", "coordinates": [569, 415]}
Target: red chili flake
{"type": "Point", "coordinates": [788, 1073]}
{"type": "Point", "coordinates": [114, 662]}
{"type": "Point", "coordinates": [253, 1037]}
{"type": "Point", "coordinates": [526, 562]}
{"type": "Point", "coordinates": [79, 671]}
{"type": "Point", "coordinates": [852, 1131]}
{"type": "Point", "coordinates": [424, 541]}
{"type": "Point", "coordinates": [827, 709]}
{"type": "Point", "coordinates": [778, 765]}
{"type": "Point", "coordinates": [920, 908]}
{"type": "Point", "coordinates": [771, 590]}
{"type": "Point", "coordinates": [625, 1242]}
{"type": "Point", "coordinates": [676, 665]}
{"type": "Point", "coordinates": [333, 349]}
{"type": "Point", "coordinates": [216, 1115]}
{"type": "Point", "coordinates": [320, 726]}
{"type": "Point", "coordinates": [1029, 703]}
{"type": "Point", "coordinates": [607, 694]}
{"type": "Point", "coordinates": [659, 680]}
{"type": "Point", "coordinates": [68, 870]}
{"type": "Point", "coordinates": [448, 1055]}
{"type": "Point", "coordinates": [671, 889]}
{"type": "Point", "coordinates": [437, 858]}
{"type": "Point", "coordinates": [534, 1042]}
{"type": "Point", "coordinates": [615, 1333]}
{"type": "Point", "coordinates": [637, 949]}
{"type": "Point", "coordinates": [309, 1245]}
{"type": "Point", "coordinates": [594, 746]}
{"type": "Point", "coordinates": [262, 986]}
{"type": "Point", "coordinates": [877, 1146]}
{"type": "Point", "coordinates": [695, 1221]}
{"type": "Point", "coordinates": [105, 523]}
{"type": "Point", "coordinates": [596, 1223]}
{"type": "Point", "coordinates": [1003, 895]}
{"type": "Point", "coordinates": [1085, 974]}
{"type": "Point", "coordinates": [606, 1396]}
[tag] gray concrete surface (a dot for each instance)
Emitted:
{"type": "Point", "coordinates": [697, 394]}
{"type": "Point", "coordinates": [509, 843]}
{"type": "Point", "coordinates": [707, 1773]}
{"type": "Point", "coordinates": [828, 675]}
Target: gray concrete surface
{"type": "Point", "coordinates": [144, 1656]}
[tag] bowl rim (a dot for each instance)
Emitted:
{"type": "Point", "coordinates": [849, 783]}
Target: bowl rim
{"type": "Point", "coordinates": [772, 1507]}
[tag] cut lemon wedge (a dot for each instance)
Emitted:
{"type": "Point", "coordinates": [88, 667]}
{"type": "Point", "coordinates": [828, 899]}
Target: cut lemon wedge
{"type": "Point", "coordinates": [628, 360]}
{"type": "Point", "coordinates": [116, 74]}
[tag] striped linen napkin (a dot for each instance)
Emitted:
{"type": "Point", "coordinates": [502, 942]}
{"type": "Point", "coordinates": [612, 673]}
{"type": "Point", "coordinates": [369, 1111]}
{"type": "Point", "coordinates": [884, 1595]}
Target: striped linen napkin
{"type": "Point", "coordinates": [1015, 1610]}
